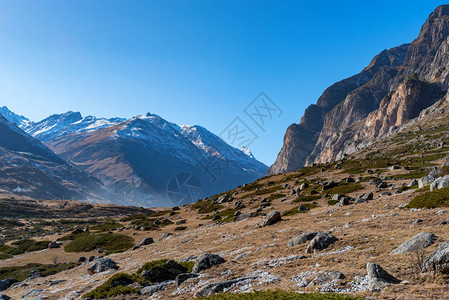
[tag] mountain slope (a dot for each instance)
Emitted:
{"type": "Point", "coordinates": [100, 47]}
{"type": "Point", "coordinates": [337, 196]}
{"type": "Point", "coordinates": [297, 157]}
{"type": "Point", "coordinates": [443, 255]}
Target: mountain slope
{"type": "Point", "coordinates": [426, 58]}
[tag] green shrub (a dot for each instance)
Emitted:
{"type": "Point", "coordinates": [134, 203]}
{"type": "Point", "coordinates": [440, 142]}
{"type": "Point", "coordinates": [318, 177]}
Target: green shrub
{"type": "Point", "coordinates": [21, 273]}
{"type": "Point", "coordinates": [118, 284]}
{"type": "Point", "coordinates": [251, 186]}
{"type": "Point", "coordinates": [438, 198]}
{"type": "Point", "coordinates": [269, 190]}
{"type": "Point", "coordinates": [345, 188]}
{"type": "Point", "coordinates": [294, 210]}
{"type": "Point", "coordinates": [226, 215]}
{"type": "Point", "coordinates": [205, 207]}
{"type": "Point", "coordinates": [280, 295]}
{"type": "Point", "coordinates": [107, 226]}
{"type": "Point", "coordinates": [275, 196]}
{"type": "Point", "coordinates": [307, 198]}
{"type": "Point", "coordinates": [162, 270]}
{"type": "Point", "coordinates": [332, 202]}
{"type": "Point", "coordinates": [112, 243]}
{"type": "Point", "coordinates": [5, 256]}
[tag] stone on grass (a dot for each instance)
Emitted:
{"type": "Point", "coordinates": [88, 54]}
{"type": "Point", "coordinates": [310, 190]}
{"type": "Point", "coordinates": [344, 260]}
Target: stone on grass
{"type": "Point", "coordinates": [102, 264]}
{"type": "Point", "coordinates": [302, 238]}
{"type": "Point", "coordinates": [327, 277]}
{"type": "Point", "coordinates": [146, 241]}
{"type": "Point", "coordinates": [270, 219]}
{"type": "Point", "coordinates": [425, 181]}
{"type": "Point", "coordinates": [150, 290]}
{"type": "Point", "coordinates": [219, 287]}
{"type": "Point", "coordinates": [207, 261]}
{"type": "Point", "coordinates": [419, 241]}
{"type": "Point", "coordinates": [53, 245]}
{"type": "Point", "coordinates": [321, 241]}
{"type": "Point", "coordinates": [378, 278]}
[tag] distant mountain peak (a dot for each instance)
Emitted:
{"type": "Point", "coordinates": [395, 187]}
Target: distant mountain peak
{"type": "Point", "coordinates": [19, 120]}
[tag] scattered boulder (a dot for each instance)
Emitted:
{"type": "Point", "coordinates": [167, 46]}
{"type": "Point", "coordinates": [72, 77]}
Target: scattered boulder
{"type": "Point", "coordinates": [270, 219]}
{"type": "Point", "coordinates": [343, 201]}
{"type": "Point", "coordinates": [218, 287]}
{"type": "Point", "coordinates": [328, 185]}
{"type": "Point", "coordinates": [327, 277]}
{"type": "Point", "coordinates": [207, 261]}
{"type": "Point", "coordinates": [150, 290]}
{"type": "Point", "coordinates": [321, 241]}
{"type": "Point", "coordinates": [183, 277]}
{"type": "Point", "coordinates": [4, 284]}
{"type": "Point", "coordinates": [382, 185]}
{"type": "Point", "coordinates": [91, 258]}
{"type": "Point", "coordinates": [4, 297]}
{"type": "Point", "coordinates": [414, 182]}
{"type": "Point", "coordinates": [303, 208]}
{"type": "Point", "coordinates": [302, 238]}
{"type": "Point", "coordinates": [81, 259]}
{"type": "Point", "coordinates": [180, 228]}
{"type": "Point", "coordinates": [303, 186]}
{"type": "Point", "coordinates": [53, 245]}
{"type": "Point", "coordinates": [378, 278]}
{"type": "Point", "coordinates": [146, 241]}
{"type": "Point", "coordinates": [180, 222]}
{"type": "Point", "coordinates": [438, 260]}
{"type": "Point", "coordinates": [102, 264]}
{"type": "Point", "coordinates": [440, 183]}
{"type": "Point", "coordinates": [425, 181]}
{"type": "Point", "coordinates": [419, 241]}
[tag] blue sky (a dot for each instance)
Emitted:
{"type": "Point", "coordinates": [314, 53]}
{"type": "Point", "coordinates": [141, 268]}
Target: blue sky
{"type": "Point", "coordinates": [191, 62]}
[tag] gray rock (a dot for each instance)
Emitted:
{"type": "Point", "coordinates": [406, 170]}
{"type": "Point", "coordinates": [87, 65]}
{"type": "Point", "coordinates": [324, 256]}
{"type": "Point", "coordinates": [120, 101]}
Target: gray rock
{"type": "Point", "coordinates": [413, 183]}
{"type": "Point", "coordinates": [168, 271]}
{"type": "Point", "coordinates": [343, 201]}
{"type": "Point", "coordinates": [440, 183]}
{"type": "Point", "coordinates": [321, 241]}
{"type": "Point", "coordinates": [102, 264]}
{"type": "Point", "coordinates": [183, 277]}
{"type": "Point", "coordinates": [382, 185]}
{"type": "Point", "coordinates": [218, 287]}
{"type": "Point", "coordinates": [146, 241]}
{"type": "Point", "coordinates": [378, 278]}
{"type": "Point", "coordinates": [207, 261]}
{"type": "Point", "coordinates": [91, 258]}
{"type": "Point", "coordinates": [150, 290]}
{"type": "Point", "coordinates": [4, 284]}
{"type": "Point", "coordinates": [303, 208]}
{"type": "Point", "coordinates": [303, 186]}
{"type": "Point", "coordinates": [270, 219]}
{"type": "Point", "coordinates": [438, 260]}
{"type": "Point", "coordinates": [419, 241]}
{"type": "Point", "coordinates": [302, 238]}
{"type": "Point", "coordinates": [327, 277]}
{"type": "Point", "coordinates": [425, 181]}
{"type": "Point", "coordinates": [4, 297]}
{"type": "Point", "coordinates": [53, 245]}
{"type": "Point", "coordinates": [34, 274]}
{"type": "Point", "coordinates": [81, 259]}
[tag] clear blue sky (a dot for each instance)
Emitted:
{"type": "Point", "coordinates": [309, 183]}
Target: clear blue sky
{"type": "Point", "coordinates": [192, 62]}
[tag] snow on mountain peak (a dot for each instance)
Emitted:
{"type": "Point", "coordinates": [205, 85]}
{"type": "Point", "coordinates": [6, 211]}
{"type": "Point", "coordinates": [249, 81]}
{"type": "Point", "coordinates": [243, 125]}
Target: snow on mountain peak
{"type": "Point", "coordinates": [246, 151]}
{"type": "Point", "coordinates": [20, 121]}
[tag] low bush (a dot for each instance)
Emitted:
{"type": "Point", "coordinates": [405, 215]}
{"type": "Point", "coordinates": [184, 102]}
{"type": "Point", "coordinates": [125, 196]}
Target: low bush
{"type": "Point", "coordinates": [307, 198]}
{"type": "Point", "coordinates": [438, 198]}
{"type": "Point", "coordinates": [112, 243]}
{"type": "Point", "coordinates": [345, 188]}
{"type": "Point", "coordinates": [21, 273]}
{"type": "Point", "coordinates": [294, 210]}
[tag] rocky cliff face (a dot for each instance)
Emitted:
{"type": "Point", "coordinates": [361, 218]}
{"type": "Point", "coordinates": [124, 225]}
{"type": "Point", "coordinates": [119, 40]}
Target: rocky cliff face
{"type": "Point", "coordinates": [352, 112]}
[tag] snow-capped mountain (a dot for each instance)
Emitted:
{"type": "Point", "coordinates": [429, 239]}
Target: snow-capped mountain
{"type": "Point", "coordinates": [28, 168]}
{"type": "Point", "coordinates": [20, 121]}
{"type": "Point", "coordinates": [139, 158]}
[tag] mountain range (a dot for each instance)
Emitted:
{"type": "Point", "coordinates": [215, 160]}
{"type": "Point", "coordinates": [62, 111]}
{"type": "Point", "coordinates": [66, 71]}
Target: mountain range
{"type": "Point", "coordinates": [383, 98]}
{"type": "Point", "coordinates": [142, 161]}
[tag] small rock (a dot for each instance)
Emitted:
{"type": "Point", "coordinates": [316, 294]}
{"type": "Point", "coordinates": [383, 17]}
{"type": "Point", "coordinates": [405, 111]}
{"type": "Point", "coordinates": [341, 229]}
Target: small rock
{"type": "Point", "coordinates": [327, 277]}
{"type": "Point", "coordinates": [53, 245]}
{"type": "Point", "coordinates": [146, 241]}
{"type": "Point", "coordinates": [302, 238]}
{"type": "Point", "coordinates": [150, 290]}
{"type": "Point", "coordinates": [219, 287]}
{"type": "Point", "coordinates": [4, 297]}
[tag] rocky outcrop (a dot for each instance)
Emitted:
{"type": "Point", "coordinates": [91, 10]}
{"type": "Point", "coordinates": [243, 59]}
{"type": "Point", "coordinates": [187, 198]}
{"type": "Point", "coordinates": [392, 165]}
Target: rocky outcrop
{"type": "Point", "coordinates": [438, 261]}
{"type": "Point", "coordinates": [378, 278]}
{"type": "Point", "coordinates": [300, 139]}
{"type": "Point", "coordinates": [395, 88]}
{"type": "Point", "coordinates": [207, 261]}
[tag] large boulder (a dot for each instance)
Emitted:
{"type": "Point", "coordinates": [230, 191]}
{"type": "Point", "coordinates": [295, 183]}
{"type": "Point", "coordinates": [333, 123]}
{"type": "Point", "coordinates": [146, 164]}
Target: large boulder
{"type": "Point", "coordinates": [425, 181]}
{"type": "Point", "coordinates": [302, 238]}
{"type": "Point", "coordinates": [102, 264]}
{"type": "Point", "coordinates": [321, 241]}
{"type": "Point", "coordinates": [327, 277]}
{"type": "Point", "coordinates": [4, 297]}
{"type": "Point", "coordinates": [271, 218]}
{"type": "Point", "coordinates": [207, 261]}
{"type": "Point", "coordinates": [438, 260]}
{"type": "Point", "coordinates": [440, 183]}
{"type": "Point", "coordinates": [378, 278]}
{"type": "Point", "coordinates": [53, 245]}
{"type": "Point", "coordinates": [146, 241]}
{"type": "Point", "coordinates": [419, 241]}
